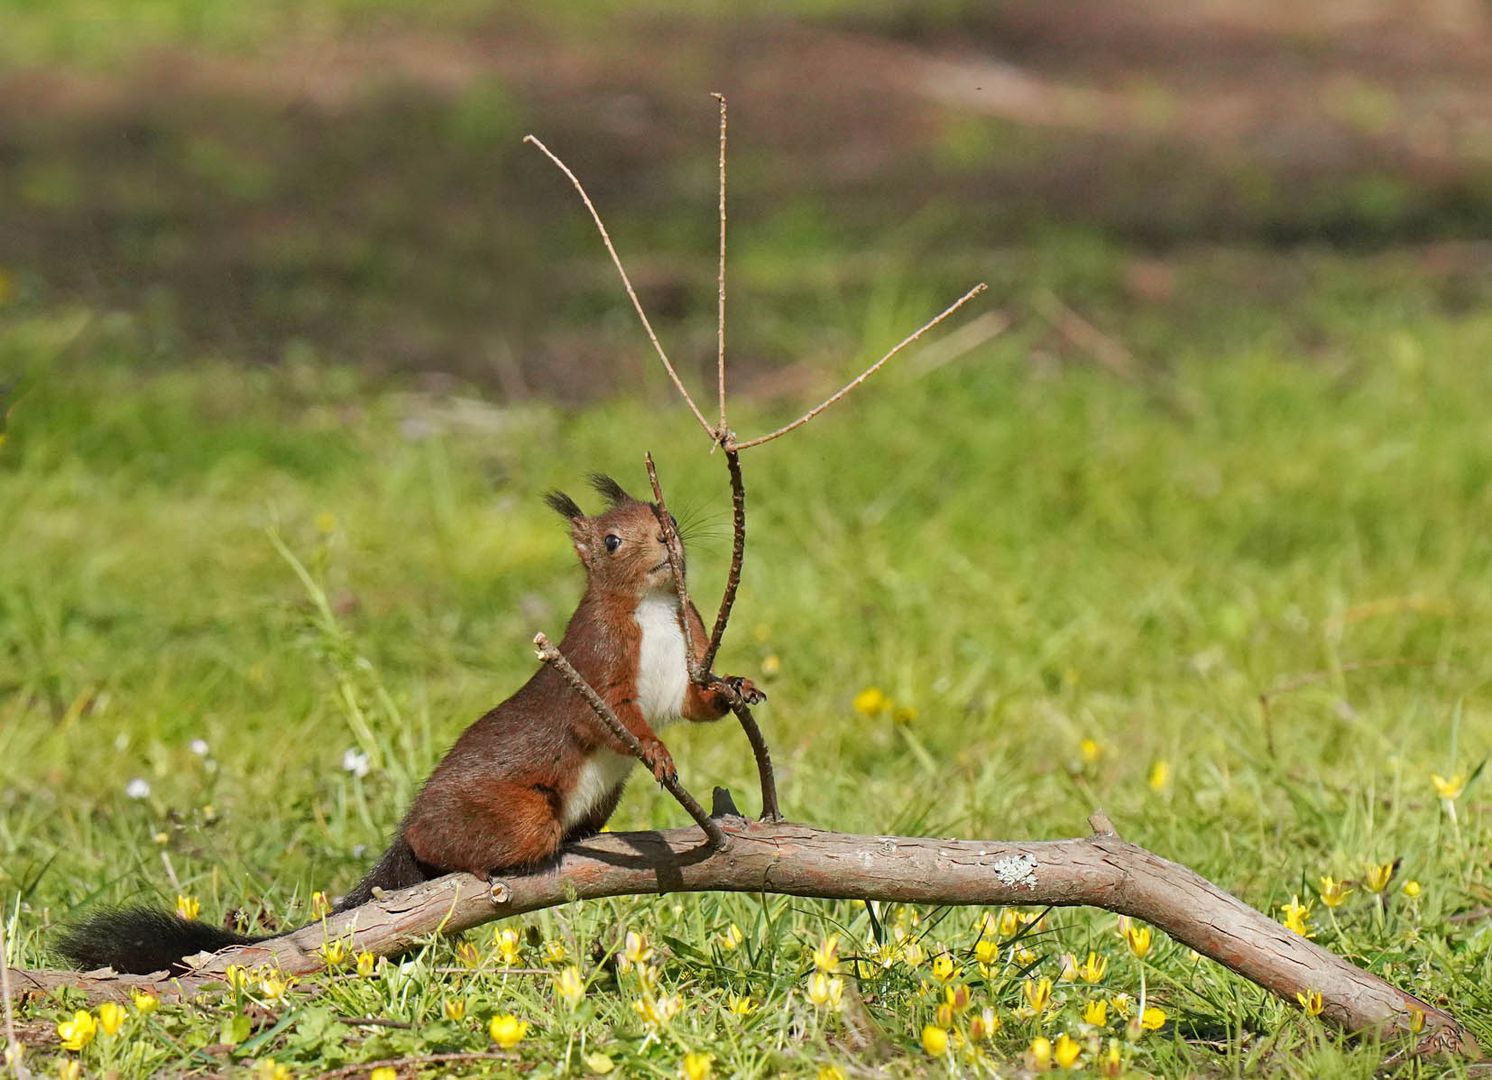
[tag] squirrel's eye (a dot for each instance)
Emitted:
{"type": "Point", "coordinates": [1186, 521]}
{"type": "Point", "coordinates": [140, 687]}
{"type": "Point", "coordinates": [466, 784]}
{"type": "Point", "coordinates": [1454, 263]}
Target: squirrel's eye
{"type": "Point", "coordinates": [613, 541]}
{"type": "Point", "coordinates": [675, 522]}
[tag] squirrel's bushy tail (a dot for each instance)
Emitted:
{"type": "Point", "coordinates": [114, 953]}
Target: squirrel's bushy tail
{"type": "Point", "coordinates": [139, 941]}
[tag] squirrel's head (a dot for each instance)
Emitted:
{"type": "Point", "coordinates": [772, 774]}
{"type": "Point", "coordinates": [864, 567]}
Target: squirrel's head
{"type": "Point", "coordinates": [621, 548]}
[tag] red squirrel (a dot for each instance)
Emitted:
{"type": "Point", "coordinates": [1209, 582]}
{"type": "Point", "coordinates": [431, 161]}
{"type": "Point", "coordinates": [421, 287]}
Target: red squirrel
{"type": "Point", "coordinates": [534, 773]}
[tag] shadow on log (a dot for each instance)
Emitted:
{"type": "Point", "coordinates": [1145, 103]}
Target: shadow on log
{"type": "Point", "coordinates": [1101, 871]}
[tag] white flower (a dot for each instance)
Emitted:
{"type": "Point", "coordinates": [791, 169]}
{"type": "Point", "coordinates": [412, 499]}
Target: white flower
{"type": "Point", "coordinates": [138, 788]}
{"type": "Point", "coordinates": [199, 747]}
{"type": "Point", "coordinates": [355, 762]}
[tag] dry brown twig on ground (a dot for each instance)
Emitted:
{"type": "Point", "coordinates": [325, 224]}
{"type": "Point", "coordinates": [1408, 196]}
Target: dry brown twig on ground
{"type": "Point", "coordinates": [1101, 870]}
{"type": "Point", "coordinates": [773, 856]}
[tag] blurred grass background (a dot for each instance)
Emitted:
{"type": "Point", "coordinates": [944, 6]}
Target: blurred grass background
{"type": "Point", "coordinates": [287, 272]}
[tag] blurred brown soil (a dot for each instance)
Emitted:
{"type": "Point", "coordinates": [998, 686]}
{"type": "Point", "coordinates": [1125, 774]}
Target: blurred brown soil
{"type": "Point", "coordinates": [367, 197]}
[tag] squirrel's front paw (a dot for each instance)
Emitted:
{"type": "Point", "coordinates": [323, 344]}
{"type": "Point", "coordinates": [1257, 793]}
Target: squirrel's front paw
{"type": "Point", "coordinates": [746, 690]}
{"type": "Point", "coordinates": [657, 758]}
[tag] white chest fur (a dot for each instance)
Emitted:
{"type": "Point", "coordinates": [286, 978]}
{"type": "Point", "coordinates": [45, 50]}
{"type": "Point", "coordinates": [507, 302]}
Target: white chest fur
{"type": "Point", "coordinates": [662, 672]}
{"type": "Point", "coordinates": [662, 680]}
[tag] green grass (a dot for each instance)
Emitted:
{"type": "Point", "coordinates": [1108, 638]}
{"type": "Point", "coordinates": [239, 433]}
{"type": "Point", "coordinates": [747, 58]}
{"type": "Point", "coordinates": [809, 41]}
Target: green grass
{"type": "Point", "coordinates": [1026, 554]}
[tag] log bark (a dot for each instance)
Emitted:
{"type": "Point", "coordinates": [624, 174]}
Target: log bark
{"type": "Point", "coordinates": [1101, 871]}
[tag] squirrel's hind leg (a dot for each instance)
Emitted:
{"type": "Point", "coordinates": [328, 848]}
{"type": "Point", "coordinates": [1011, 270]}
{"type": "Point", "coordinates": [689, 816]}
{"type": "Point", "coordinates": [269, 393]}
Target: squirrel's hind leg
{"type": "Point", "coordinates": [505, 825]}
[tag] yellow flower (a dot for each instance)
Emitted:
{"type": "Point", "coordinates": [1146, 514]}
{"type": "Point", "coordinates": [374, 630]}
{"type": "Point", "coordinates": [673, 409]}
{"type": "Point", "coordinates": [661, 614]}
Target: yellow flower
{"type": "Point", "coordinates": [384, 1072]}
{"type": "Point", "coordinates": [69, 1069]}
{"type": "Point", "coordinates": [111, 1017]}
{"type": "Point", "coordinates": [1096, 1012]}
{"type": "Point", "coordinates": [77, 1032]}
{"type": "Point", "coordinates": [731, 938]}
{"type": "Point", "coordinates": [272, 986]}
{"type": "Point", "coordinates": [507, 1030]}
{"type": "Point", "coordinates": [599, 1063]}
{"type": "Point", "coordinates": [1412, 889]}
{"type": "Point", "coordinates": [367, 963]}
{"type": "Point", "coordinates": [943, 1015]}
{"type": "Point", "coordinates": [1153, 1018]}
{"type": "Point", "coordinates": [771, 665]}
{"type": "Point", "coordinates": [1038, 994]}
{"type": "Point", "coordinates": [269, 1069]}
{"type": "Point", "coordinates": [871, 701]}
{"type": "Point", "coordinates": [236, 976]}
{"type": "Point", "coordinates": [1416, 1020]}
{"type": "Point", "coordinates": [1160, 776]}
{"type": "Point", "coordinates": [187, 907]}
{"type": "Point", "coordinates": [1121, 1004]}
{"type": "Point", "coordinates": [454, 1009]}
{"type": "Point", "coordinates": [569, 986]}
{"type": "Point", "coordinates": [555, 952]}
{"type": "Point", "coordinates": [697, 1066]}
{"type": "Point", "coordinates": [943, 967]}
{"type": "Point", "coordinates": [656, 1012]}
{"type": "Point", "coordinates": [1010, 922]}
{"type": "Point", "coordinates": [934, 1041]}
{"type": "Point", "coordinates": [1040, 1053]}
{"type": "Point", "coordinates": [830, 1072]}
{"type": "Point", "coordinates": [1449, 790]}
{"type": "Point", "coordinates": [509, 946]}
{"type": "Point", "coordinates": [740, 1004]}
{"type": "Point", "coordinates": [904, 714]}
{"type": "Point", "coordinates": [1333, 892]}
{"type": "Point", "coordinates": [825, 990]}
{"type": "Point", "coordinates": [986, 952]}
{"type": "Point", "coordinates": [1310, 1001]}
{"type": "Point", "coordinates": [1093, 968]}
{"type": "Point", "coordinates": [635, 950]}
{"type": "Point", "coordinates": [1297, 917]}
{"type": "Point", "coordinates": [145, 1002]}
{"type": "Point", "coordinates": [912, 954]}
{"type": "Point", "coordinates": [469, 955]}
{"type": "Point", "coordinates": [985, 1024]}
{"type": "Point", "coordinates": [1090, 751]}
{"type": "Point", "coordinates": [1069, 972]}
{"type": "Point", "coordinates": [335, 953]}
{"type": "Point", "coordinates": [826, 956]}
{"type": "Point", "coordinates": [1138, 939]}
{"type": "Point", "coordinates": [1066, 1050]}
{"type": "Point", "coordinates": [321, 905]}
{"type": "Point", "coordinates": [1376, 877]}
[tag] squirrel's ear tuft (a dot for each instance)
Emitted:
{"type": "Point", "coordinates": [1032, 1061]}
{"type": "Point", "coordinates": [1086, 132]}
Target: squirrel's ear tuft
{"type": "Point", "coordinates": [609, 489]}
{"type": "Point", "coordinates": [564, 506]}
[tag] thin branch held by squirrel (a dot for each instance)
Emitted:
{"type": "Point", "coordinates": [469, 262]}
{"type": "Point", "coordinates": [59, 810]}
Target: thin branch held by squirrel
{"type": "Point", "coordinates": [722, 436]}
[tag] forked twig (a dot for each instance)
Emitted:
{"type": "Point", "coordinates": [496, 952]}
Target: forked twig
{"type": "Point", "coordinates": [626, 282]}
{"type": "Point", "coordinates": [556, 659]}
{"type": "Point", "coordinates": [722, 436]}
{"type": "Point", "coordinates": [867, 373]}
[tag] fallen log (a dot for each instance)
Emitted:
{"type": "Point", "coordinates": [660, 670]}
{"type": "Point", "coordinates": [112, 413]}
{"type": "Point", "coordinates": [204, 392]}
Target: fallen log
{"type": "Point", "coordinates": [1101, 870]}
